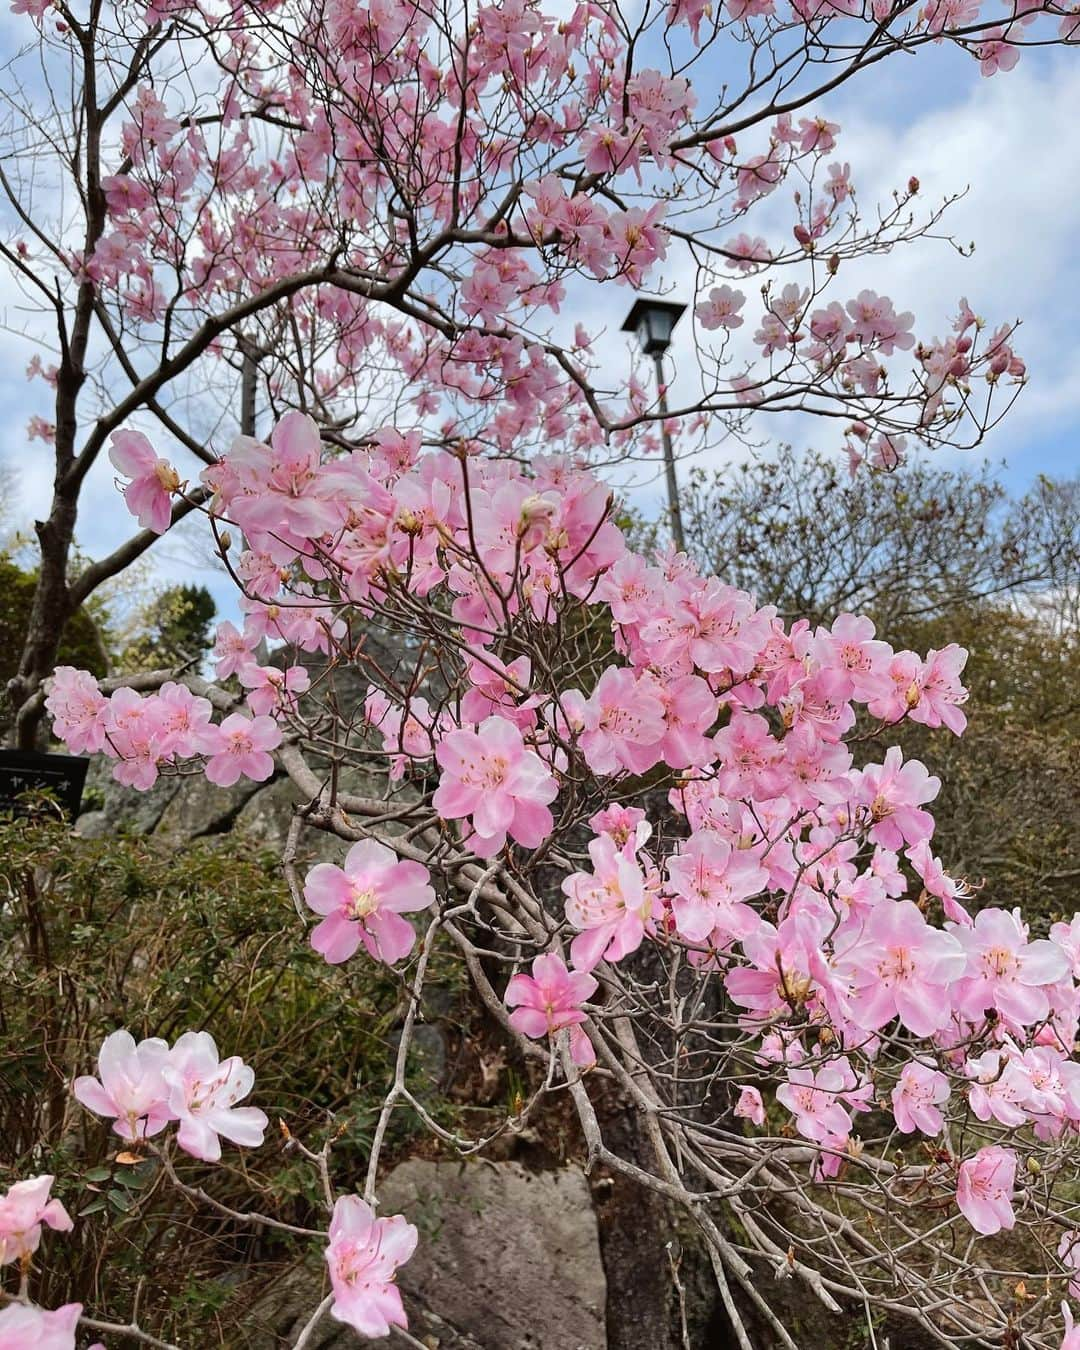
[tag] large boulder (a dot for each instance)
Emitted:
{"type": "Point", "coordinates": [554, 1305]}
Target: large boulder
{"type": "Point", "coordinates": [508, 1259]}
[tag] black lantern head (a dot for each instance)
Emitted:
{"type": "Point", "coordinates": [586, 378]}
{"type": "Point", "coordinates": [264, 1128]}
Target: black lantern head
{"type": "Point", "coordinates": [653, 321]}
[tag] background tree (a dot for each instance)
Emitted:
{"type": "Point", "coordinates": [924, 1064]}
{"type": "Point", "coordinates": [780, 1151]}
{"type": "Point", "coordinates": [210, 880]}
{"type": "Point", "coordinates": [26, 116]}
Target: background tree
{"type": "Point", "coordinates": [173, 629]}
{"type": "Point", "coordinates": [905, 546]}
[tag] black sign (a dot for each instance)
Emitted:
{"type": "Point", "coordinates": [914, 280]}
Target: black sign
{"type": "Point", "coordinates": [23, 771]}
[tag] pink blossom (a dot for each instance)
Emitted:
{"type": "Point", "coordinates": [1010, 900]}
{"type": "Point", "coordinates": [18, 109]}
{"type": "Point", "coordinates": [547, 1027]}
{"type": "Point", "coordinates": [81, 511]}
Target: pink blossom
{"type": "Point", "coordinates": [183, 722]}
{"type": "Point", "coordinates": [242, 748]}
{"type": "Point", "coordinates": [750, 1106]}
{"type": "Point", "coordinates": [938, 883]}
{"type": "Point", "coordinates": [917, 1097]}
{"type": "Point", "coordinates": [490, 776]}
{"type": "Point", "coordinates": [816, 135]}
{"type": "Point", "coordinates": [363, 903]}
{"type": "Point", "coordinates": [895, 793]}
{"type": "Point", "coordinates": [23, 1210]}
{"type": "Point", "coordinates": [232, 649]}
{"type": "Point", "coordinates": [25, 1327]}
{"type": "Point", "coordinates": [710, 882]}
{"type": "Point", "coordinates": [814, 1100]}
{"type": "Point", "coordinates": [899, 966]}
{"type": "Point", "coordinates": [984, 1189]}
{"type": "Point", "coordinates": [851, 645]}
{"type": "Point", "coordinates": [612, 906]}
{"type": "Point", "coordinates": [293, 496]}
{"type": "Point", "coordinates": [996, 53]}
{"type": "Point", "coordinates": [363, 1256]}
{"type": "Point", "coordinates": [203, 1093]}
{"type": "Point", "coordinates": [876, 324]}
{"type": "Point", "coordinates": [940, 690]}
{"type": "Point", "coordinates": [721, 309]}
{"type": "Point", "coordinates": [550, 1000]}
{"type": "Point", "coordinates": [757, 177]}
{"type": "Point", "coordinates": [623, 723]}
{"type": "Point", "coordinates": [500, 689]}
{"type": "Point", "coordinates": [1001, 1087]}
{"type": "Point", "coordinates": [627, 826]}
{"type": "Point", "coordinates": [407, 734]}
{"type": "Point", "coordinates": [1069, 1253]}
{"type": "Point", "coordinates": [153, 480]}
{"type": "Point", "coordinates": [272, 689]}
{"type": "Point", "coordinates": [1071, 1340]}
{"type": "Point", "coordinates": [1004, 970]}
{"type": "Point", "coordinates": [79, 710]}
{"type": "Point", "coordinates": [748, 758]}
{"type": "Point", "coordinates": [131, 1087]}
{"type": "Point", "coordinates": [747, 254]}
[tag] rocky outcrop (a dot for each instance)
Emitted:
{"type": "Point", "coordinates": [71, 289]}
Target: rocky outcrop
{"type": "Point", "coordinates": [508, 1260]}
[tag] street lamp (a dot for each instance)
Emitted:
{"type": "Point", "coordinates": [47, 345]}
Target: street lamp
{"type": "Point", "coordinates": [654, 321]}
{"type": "Point", "coordinates": [250, 354]}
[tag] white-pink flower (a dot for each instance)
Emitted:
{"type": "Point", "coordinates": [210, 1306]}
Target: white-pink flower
{"type": "Point", "coordinates": [550, 1000]}
{"type": "Point", "coordinates": [1004, 970]}
{"type": "Point", "coordinates": [243, 745]}
{"type": "Point", "coordinates": [79, 710]}
{"type": "Point", "coordinates": [489, 776]}
{"type": "Point", "coordinates": [750, 1106]}
{"type": "Point", "coordinates": [23, 1210]}
{"type": "Point", "coordinates": [153, 480]}
{"type": "Point", "coordinates": [710, 882]}
{"type": "Point", "coordinates": [916, 1098]}
{"type": "Point", "coordinates": [203, 1093]}
{"type": "Point", "coordinates": [363, 1256]}
{"type": "Point", "coordinates": [814, 1100]}
{"type": "Point", "coordinates": [270, 688]}
{"type": "Point", "coordinates": [131, 1089]}
{"type": "Point", "coordinates": [612, 905]}
{"type": "Point", "coordinates": [26, 1327]}
{"type": "Point", "coordinates": [721, 309]}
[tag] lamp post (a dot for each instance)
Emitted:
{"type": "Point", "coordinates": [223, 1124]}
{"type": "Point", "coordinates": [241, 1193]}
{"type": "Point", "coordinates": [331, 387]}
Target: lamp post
{"type": "Point", "coordinates": [251, 354]}
{"type": "Point", "coordinates": [654, 321]}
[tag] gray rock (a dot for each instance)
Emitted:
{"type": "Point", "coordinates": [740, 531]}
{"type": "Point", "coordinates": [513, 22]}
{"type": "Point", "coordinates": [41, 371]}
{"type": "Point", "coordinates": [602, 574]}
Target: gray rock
{"type": "Point", "coordinates": [508, 1259]}
{"type": "Point", "coordinates": [122, 810]}
{"type": "Point", "coordinates": [266, 816]}
{"type": "Point", "coordinates": [199, 808]}
{"type": "Point", "coordinates": [93, 825]}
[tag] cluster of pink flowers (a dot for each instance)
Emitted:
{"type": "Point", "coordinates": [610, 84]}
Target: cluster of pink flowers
{"type": "Point", "coordinates": [805, 882]}
{"type": "Point", "coordinates": [144, 1086]}
{"type": "Point", "coordinates": [142, 732]}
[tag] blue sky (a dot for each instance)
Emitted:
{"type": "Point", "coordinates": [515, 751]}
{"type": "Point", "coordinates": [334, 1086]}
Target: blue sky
{"type": "Point", "coordinates": [1009, 140]}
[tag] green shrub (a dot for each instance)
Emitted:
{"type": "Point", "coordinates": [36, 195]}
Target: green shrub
{"type": "Point", "coordinates": [104, 934]}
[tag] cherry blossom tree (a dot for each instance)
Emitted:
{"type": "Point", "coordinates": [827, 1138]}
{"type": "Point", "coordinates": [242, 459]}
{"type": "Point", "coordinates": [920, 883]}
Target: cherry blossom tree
{"type": "Point", "coordinates": [664, 832]}
{"type": "Point", "coordinates": [661, 828]}
{"type": "Point", "coordinates": [387, 216]}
